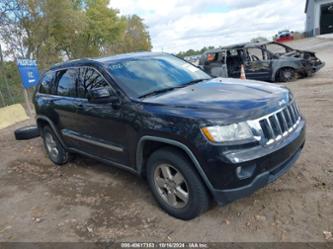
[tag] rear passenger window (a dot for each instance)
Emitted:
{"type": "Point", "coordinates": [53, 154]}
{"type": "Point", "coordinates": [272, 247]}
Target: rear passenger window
{"type": "Point", "coordinates": [66, 82]}
{"type": "Point", "coordinates": [46, 83]}
{"type": "Point", "coordinates": [89, 78]}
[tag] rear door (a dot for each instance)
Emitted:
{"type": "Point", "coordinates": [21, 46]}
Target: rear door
{"type": "Point", "coordinates": [65, 103]}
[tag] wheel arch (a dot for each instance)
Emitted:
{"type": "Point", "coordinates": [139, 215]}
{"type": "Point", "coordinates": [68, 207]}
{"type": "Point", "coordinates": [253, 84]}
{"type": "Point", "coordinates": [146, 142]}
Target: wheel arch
{"type": "Point", "coordinates": [159, 142]}
{"type": "Point", "coordinates": [278, 65]}
{"type": "Point", "coordinates": [42, 120]}
{"type": "Point", "coordinates": [277, 71]}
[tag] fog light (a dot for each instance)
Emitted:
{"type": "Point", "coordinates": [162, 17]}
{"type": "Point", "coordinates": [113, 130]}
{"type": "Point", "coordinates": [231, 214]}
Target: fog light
{"type": "Point", "coordinates": [244, 172]}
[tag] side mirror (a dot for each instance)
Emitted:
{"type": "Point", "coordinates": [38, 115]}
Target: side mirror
{"type": "Point", "coordinates": [102, 96]}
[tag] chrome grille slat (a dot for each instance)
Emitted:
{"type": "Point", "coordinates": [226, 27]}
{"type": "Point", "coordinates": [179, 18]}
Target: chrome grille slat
{"type": "Point", "coordinates": [289, 120]}
{"type": "Point", "coordinates": [279, 124]}
{"type": "Point", "coordinates": [285, 125]}
{"type": "Point", "coordinates": [295, 110]}
{"type": "Point", "coordinates": [270, 129]}
{"type": "Point", "coordinates": [292, 113]}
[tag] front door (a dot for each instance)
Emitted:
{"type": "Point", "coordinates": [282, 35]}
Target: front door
{"type": "Point", "coordinates": [257, 64]}
{"type": "Point", "coordinates": [326, 19]}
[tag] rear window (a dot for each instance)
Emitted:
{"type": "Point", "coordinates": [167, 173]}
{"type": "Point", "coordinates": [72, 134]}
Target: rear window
{"type": "Point", "coordinates": [47, 83]}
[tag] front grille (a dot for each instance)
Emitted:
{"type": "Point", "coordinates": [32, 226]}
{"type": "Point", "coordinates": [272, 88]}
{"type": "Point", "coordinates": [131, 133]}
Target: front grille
{"type": "Point", "coordinates": [279, 124]}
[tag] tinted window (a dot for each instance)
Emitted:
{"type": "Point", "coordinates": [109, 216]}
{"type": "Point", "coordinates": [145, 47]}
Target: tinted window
{"type": "Point", "coordinates": [46, 83]}
{"type": "Point", "coordinates": [143, 75]}
{"type": "Point", "coordinates": [89, 79]}
{"type": "Point", "coordinates": [66, 82]}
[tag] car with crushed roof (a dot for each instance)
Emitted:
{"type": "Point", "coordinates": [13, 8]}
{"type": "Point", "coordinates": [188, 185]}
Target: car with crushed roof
{"type": "Point", "coordinates": [267, 61]}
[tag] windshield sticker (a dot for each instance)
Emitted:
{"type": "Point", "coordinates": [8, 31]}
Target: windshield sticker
{"type": "Point", "coordinates": [116, 66]}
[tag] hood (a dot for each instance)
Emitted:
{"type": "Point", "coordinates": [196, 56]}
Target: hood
{"type": "Point", "coordinates": [299, 54]}
{"type": "Point", "coordinates": [224, 98]}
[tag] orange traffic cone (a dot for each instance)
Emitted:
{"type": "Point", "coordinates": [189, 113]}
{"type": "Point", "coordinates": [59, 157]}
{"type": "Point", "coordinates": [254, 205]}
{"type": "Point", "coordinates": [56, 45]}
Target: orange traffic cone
{"type": "Point", "coordinates": [242, 73]}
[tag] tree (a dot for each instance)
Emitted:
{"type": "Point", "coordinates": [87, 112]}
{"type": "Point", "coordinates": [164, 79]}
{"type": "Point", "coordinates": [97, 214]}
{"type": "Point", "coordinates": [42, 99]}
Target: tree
{"type": "Point", "coordinates": [103, 27]}
{"type": "Point", "coordinates": [134, 38]}
{"type": "Point", "coordinates": [54, 30]}
{"type": "Point", "coordinates": [39, 29]}
{"type": "Point", "coordinates": [192, 52]}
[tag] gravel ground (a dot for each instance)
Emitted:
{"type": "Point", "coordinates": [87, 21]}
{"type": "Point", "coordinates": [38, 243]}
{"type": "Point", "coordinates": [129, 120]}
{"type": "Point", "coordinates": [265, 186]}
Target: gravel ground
{"type": "Point", "coordinates": [89, 201]}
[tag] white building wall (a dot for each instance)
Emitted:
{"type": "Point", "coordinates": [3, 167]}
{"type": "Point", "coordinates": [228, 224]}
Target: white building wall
{"type": "Point", "coordinates": [310, 16]}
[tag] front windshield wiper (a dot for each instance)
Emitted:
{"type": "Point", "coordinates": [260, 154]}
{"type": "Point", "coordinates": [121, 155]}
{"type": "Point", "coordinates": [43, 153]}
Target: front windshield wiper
{"type": "Point", "coordinates": [194, 81]}
{"type": "Point", "coordinates": [155, 92]}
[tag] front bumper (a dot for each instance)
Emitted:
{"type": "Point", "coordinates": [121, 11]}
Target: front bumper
{"type": "Point", "coordinates": [269, 168]}
{"type": "Point", "coordinates": [316, 68]}
{"type": "Point", "coordinates": [312, 68]}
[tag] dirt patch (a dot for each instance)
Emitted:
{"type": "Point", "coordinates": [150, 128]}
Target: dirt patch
{"type": "Point", "coordinates": [88, 201]}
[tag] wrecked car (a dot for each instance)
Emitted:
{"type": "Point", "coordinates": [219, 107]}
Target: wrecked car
{"type": "Point", "coordinates": [269, 61]}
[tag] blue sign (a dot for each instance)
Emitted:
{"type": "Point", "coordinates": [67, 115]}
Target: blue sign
{"type": "Point", "coordinates": [29, 72]}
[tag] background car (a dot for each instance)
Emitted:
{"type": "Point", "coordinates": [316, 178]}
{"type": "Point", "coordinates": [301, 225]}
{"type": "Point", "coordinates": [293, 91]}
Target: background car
{"type": "Point", "coordinates": [284, 36]}
{"type": "Point", "coordinates": [270, 61]}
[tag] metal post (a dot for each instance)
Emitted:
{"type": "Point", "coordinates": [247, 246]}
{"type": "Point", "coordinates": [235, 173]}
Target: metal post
{"type": "Point", "coordinates": [27, 102]}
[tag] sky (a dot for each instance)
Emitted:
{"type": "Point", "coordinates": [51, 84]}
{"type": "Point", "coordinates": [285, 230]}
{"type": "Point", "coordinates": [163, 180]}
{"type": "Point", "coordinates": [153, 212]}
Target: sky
{"type": "Point", "coordinates": [179, 25]}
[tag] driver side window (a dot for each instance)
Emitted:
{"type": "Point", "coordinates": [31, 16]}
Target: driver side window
{"type": "Point", "coordinates": [90, 79]}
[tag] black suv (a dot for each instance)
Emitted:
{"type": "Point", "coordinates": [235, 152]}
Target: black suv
{"type": "Point", "coordinates": [194, 138]}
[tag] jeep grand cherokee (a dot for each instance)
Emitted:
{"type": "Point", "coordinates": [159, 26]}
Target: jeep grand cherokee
{"type": "Point", "coordinates": [194, 138]}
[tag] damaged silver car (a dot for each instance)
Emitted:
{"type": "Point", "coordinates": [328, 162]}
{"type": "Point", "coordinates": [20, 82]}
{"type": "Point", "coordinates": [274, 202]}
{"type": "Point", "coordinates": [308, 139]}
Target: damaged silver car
{"type": "Point", "coordinates": [269, 61]}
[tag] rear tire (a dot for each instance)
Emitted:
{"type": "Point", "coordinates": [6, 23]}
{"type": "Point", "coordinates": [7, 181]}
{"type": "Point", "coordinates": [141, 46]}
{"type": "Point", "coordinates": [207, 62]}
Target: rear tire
{"type": "Point", "coordinates": [55, 151]}
{"type": "Point", "coordinates": [176, 185]}
{"type": "Point", "coordinates": [287, 75]}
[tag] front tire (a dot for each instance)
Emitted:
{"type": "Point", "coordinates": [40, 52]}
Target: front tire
{"type": "Point", "coordinates": [287, 75]}
{"type": "Point", "coordinates": [175, 184]}
{"type": "Point", "coordinates": [55, 151]}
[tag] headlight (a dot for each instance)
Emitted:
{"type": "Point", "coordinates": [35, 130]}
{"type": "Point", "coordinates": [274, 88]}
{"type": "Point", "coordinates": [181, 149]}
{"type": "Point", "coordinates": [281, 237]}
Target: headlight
{"type": "Point", "coordinates": [228, 133]}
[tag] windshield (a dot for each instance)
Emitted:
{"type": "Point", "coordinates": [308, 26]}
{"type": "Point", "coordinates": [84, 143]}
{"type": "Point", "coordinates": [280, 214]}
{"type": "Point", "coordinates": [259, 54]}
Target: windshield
{"type": "Point", "coordinates": [149, 74]}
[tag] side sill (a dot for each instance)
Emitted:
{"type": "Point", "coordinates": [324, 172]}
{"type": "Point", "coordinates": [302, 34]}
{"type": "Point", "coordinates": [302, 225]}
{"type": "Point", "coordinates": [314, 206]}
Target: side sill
{"type": "Point", "coordinates": [105, 161]}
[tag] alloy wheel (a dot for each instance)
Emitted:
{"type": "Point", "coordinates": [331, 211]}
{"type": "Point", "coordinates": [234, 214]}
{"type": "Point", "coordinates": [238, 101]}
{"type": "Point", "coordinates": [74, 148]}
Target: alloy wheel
{"type": "Point", "coordinates": [51, 146]}
{"type": "Point", "coordinates": [171, 186]}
